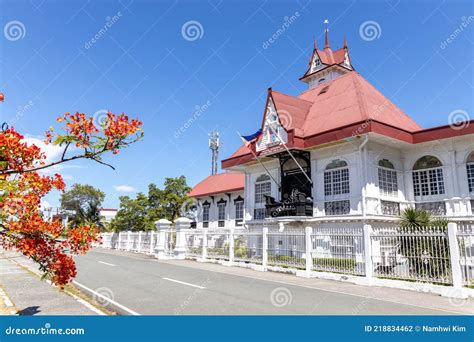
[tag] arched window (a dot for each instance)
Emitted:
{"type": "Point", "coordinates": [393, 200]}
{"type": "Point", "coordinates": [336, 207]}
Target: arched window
{"type": "Point", "coordinates": [263, 187]}
{"type": "Point", "coordinates": [336, 178]}
{"type": "Point", "coordinates": [470, 172]}
{"type": "Point", "coordinates": [336, 186]}
{"type": "Point", "coordinates": [388, 184]}
{"type": "Point", "coordinates": [428, 177]}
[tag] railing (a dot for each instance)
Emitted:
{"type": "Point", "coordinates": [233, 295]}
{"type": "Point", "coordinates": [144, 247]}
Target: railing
{"type": "Point", "coordinates": [443, 256]}
{"type": "Point", "coordinates": [420, 254]}
{"type": "Point", "coordinates": [465, 237]}
{"type": "Point", "coordinates": [339, 250]}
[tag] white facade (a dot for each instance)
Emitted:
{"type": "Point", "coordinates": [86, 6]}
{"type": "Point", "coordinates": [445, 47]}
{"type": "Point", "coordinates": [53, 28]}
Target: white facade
{"type": "Point", "coordinates": [231, 206]}
{"type": "Point", "coordinates": [367, 197]}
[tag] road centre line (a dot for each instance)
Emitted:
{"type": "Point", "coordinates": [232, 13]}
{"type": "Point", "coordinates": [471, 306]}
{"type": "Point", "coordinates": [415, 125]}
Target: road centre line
{"type": "Point", "coordinates": [184, 283]}
{"type": "Point", "coordinates": [106, 263]}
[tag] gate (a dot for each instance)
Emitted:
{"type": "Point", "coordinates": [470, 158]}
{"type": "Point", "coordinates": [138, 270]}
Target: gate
{"type": "Point", "coordinates": [170, 242]}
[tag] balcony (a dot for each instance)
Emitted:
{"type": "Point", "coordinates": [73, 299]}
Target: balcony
{"type": "Point", "coordinates": [299, 206]}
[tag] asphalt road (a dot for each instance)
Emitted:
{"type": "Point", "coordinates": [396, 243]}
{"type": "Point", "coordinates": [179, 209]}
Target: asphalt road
{"type": "Point", "coordinates": [138, 284]}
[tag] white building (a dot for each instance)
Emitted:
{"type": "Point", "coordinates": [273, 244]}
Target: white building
{"type": "Point", "coordinates": [356, 155]}
{"type": "Point", "coordinates": [220, 201]}
{"type": "Point", "coordinates": [107, 215]}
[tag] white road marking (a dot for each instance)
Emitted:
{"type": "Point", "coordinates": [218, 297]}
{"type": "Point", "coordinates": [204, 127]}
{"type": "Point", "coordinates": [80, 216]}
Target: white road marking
{"type": "Point", "coordinates": [184, 283]}
{"type": "Point", "coordinates": [130, 311]}
{"type": "Point", "coordinates": [106, 263]}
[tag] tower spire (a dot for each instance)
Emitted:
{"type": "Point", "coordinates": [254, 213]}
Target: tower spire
{"type": "Point", "coordinates": [326, 30]}
{"type": "Point", "coordinates": [314, 38]}
{"type": "Point", "coordinates": [345, 42]}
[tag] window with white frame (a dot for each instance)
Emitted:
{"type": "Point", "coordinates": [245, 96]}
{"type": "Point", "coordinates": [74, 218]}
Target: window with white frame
{"type": "Point", "coordinates": [221, 213]}
{"type": "Point", "coordinates": [428, 179]}
{"type": "Point", "coordinates": [263, 187]}
{"type": "Point", "coordinates": [388, 183]}
{"type": "Point", "coordinates": [205, 214]}
{"type": "Point", "coordinates": [336, 178]}
{"type": "Point", "coordinates": [470, 172]}
{"type": "Point", "coordinates": [239, 210]}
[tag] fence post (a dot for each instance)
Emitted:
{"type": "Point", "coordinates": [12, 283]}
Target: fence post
{"type": "Point", "coordinates": [231, 245]}
{"type": "Point", "coordinates": [369, 268]}
{"type": "Point", "coordinates": [455, 255]}
{"type": "Point", "coordinates": [151, 241]}
{"type": "Point", "coordinates": [139, 247]}
{"type": "Point", "coordinates": [129, 242]}
{"type": "Point", "coordinates": [119, 246]}
{"type": "Point", "coordinates": [309, 249]}
{"type": "Point", "coordinates": [264, 248]}
{"type": "Point", "coordinates": [161, 226]}
{"type": "Point", "coordinates": [204, 244]}
{"type": "Point", "coordinates": [182, 224]}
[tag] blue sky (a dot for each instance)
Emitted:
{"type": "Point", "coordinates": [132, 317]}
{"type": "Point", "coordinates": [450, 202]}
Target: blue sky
{"type": "Point", "coordinates": [145, 66]}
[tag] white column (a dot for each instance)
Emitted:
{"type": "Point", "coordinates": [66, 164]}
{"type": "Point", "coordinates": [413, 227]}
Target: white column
{"type": "Point", "coordinates": [231, 245]}
{"type": "Point", "coordinates": [182, 224]}
{"type": "Point", "coordinates": [455, 256]}
{"type": "Point", "coordinates": [369, 268]}
{"type": "Point", "coordinates": [139, 246]}
{"type": "Point", "coordinates": [309, 249]}
{"type": "Point", "coordinates": [162, 226]}
{"type": "Point", "coordinates": [119, 240]}
{"type": "Point", "coordinates": [129, 238]}
{"type": "Point", "coordinates": [151, 241]}
{"type": "Point", "coordinates": [204, 244]}
{"type": "Point", "coordinates": [264, 248]}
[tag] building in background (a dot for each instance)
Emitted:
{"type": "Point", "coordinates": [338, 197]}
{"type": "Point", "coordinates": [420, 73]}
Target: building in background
{"type": "Point", "coordinates": [107, 215]}
{"type": "Point", "coordinates": [219, 201]}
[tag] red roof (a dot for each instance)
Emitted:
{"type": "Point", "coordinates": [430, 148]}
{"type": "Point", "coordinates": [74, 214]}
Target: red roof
{"type": "Point", "coordinates": [346, 106]}
{"type": "Point", "coordinates": [219, 183]}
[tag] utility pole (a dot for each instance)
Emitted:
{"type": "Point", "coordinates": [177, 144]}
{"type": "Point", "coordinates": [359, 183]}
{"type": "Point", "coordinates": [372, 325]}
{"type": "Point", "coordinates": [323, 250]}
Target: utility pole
{"type": "Point", "coordinates": [214, 146]}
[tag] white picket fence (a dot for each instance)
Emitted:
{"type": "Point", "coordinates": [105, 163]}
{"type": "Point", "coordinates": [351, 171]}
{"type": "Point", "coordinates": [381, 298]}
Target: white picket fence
{"type": "Point", "coordinates": [442, 256]}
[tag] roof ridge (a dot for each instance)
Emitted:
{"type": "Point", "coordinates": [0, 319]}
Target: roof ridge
{"type": "Point", "coordinates": [360, 97]}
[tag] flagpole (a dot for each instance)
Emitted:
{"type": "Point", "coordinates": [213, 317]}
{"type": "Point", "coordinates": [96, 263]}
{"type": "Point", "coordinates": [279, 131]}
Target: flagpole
{"type": "Point", "coordinates": [255, 156]}
{"type": "Point", "coordinates": [287, 150]}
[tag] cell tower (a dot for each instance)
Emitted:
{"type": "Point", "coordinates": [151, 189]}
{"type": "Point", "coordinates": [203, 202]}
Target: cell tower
{"type": "Point", "coordinates": [214, 146]}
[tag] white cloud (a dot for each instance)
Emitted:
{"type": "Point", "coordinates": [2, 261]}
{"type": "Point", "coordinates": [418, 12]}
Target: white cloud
{"type": "Point", "coordinates": [52, 152]}
{"type": "Point", "coordinates": [124, 188]}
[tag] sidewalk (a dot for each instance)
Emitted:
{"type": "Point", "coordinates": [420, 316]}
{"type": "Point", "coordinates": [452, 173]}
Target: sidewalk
{"type": "Point", "coordinates": [20, 280]}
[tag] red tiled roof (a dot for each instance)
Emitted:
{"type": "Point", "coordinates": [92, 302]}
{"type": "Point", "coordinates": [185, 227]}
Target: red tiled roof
{"type": "Point", "coordinates": [349, 99]}
{"type": "Point", "coordinates": [219, 183]}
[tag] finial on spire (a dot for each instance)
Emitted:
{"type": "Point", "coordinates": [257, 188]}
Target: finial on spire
{"type": "Point", "coordinates": [345, 42]}
{"type": "Point", "coordinates": [314, 38]}
{"type": "Point", "coordinates": [326, 30]}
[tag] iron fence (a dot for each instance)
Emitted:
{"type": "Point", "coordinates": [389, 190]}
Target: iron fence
{"type": "Point", "coordinates": [218, 244]}
{"type": "Point", "coordinates": [194, 243]}
{"type": "Point", "coordinates": [248, 246]}
{"type": "Point", "coordinates": [465, 238]}
{"type": "Point", "coordinates": [338, 249]}
{"type": "Point", "coordinates": [287, 248]}
{"type": "Point", "coordinates": [417, 254]}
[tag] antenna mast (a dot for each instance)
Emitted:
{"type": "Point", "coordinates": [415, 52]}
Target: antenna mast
{"type": "Point", "coordinates": [214, 146]}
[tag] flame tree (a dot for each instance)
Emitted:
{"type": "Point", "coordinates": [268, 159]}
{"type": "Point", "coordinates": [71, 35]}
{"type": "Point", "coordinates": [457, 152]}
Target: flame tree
{"type": "Point", "coordinates": [22, 186]}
